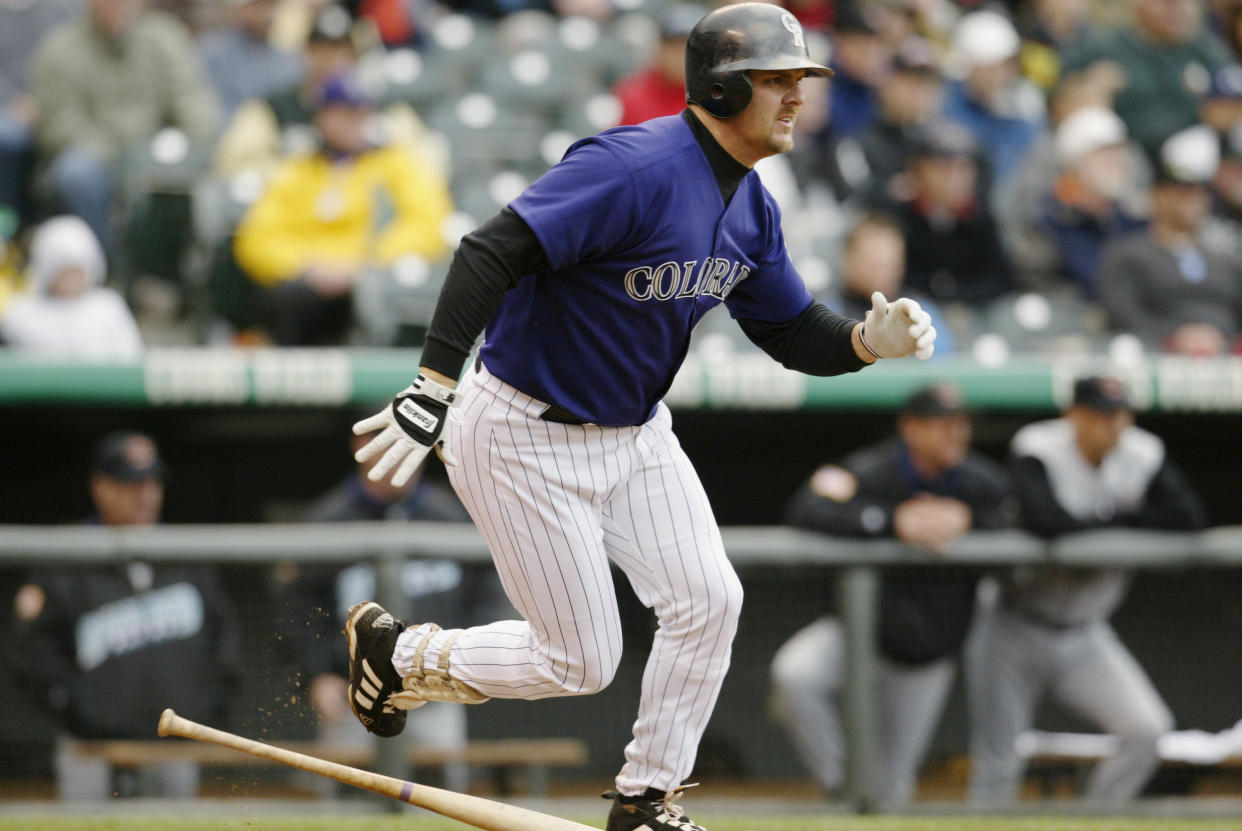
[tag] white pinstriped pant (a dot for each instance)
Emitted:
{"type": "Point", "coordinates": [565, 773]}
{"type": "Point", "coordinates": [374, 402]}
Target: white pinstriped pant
{"type": "Point", "coordinates": [555, 503]}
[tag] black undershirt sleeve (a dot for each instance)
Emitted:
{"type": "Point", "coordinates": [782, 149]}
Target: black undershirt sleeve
{"type": "Point", "coordinates": [1169, 504]}
{"type": "Point", "coordinates": [490, 261]}
{"type": "Point", "coordinates": [817, 341]}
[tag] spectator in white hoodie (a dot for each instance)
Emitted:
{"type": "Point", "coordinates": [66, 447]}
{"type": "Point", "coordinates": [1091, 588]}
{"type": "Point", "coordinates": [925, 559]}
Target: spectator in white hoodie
{"type": "Point", "coordinates": [68, 312]}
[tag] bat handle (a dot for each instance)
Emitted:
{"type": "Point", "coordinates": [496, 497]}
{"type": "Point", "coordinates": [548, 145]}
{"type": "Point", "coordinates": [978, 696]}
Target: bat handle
{"type": "Point", "coordinates": [167, 718]}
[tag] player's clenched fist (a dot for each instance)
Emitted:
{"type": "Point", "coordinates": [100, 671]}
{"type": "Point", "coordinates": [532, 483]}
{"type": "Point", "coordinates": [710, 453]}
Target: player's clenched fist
{"type": "Point", "coordinates": [898, 329]}
{"type": "Point", "coordinates": [410, 426]}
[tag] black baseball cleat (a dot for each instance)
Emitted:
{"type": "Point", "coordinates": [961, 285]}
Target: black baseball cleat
{"type": "Point", "coordinates": [652, 811]}
{"type": "Point", "coordinates": [372, 636]}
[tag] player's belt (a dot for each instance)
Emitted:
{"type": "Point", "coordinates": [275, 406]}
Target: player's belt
{"type": "Point", "coordinates": [560, 415]}
{"type": "Point", "coordinates": [555, 412]}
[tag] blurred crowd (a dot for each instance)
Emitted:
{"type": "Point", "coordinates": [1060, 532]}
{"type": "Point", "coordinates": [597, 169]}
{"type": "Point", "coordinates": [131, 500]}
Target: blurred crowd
{"type": "Point", "coordinates": [1044, 175]}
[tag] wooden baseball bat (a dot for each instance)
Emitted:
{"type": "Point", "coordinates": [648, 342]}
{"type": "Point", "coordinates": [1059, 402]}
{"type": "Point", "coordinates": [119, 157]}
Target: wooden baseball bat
{"type": "Point", "coordinates": [472, 810]}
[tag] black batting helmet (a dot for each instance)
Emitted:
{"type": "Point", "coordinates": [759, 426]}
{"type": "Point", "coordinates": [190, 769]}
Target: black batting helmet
{"type": "Point", "coordinates": [732, 39]}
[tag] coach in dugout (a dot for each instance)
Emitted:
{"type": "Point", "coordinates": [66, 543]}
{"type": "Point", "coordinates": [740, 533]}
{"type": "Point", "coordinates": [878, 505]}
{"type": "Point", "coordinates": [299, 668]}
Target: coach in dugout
{"type": "Point", "coordinates": [105, 648]}
{"type": "Point", "coordinates": [925, 487]}
{"type": "Point", "coordinates": [1049, 631]}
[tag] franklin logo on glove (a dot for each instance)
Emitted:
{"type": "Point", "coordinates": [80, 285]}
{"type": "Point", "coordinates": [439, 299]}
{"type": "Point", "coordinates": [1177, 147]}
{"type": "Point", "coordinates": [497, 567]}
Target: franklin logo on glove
{"type": "Point", "coordinates": [410, 427]}
{"type": "Point", "coordinates": [417, 414]}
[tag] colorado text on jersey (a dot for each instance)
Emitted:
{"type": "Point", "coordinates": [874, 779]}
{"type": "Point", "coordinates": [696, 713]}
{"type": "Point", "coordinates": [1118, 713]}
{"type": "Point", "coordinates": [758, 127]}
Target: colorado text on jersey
{"type": "Point", "coordinates": [666, 281]}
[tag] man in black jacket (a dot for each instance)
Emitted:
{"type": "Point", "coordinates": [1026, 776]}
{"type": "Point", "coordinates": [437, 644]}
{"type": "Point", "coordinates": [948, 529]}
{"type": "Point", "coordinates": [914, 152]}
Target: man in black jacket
{"type": "Point", "coordinates": [926, 487]}
{"type": "Point", "coordinates": [105, 648]}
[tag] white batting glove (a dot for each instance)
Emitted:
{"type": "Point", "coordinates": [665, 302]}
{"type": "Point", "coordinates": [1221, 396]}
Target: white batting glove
{"type": "Point", "coordinates": [410, 426]}
{"type": "Point", "coordinates": [897, 329]}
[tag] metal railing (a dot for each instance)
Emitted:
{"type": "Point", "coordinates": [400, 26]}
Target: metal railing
{"type": "Point", "coordinates": [388, 544]}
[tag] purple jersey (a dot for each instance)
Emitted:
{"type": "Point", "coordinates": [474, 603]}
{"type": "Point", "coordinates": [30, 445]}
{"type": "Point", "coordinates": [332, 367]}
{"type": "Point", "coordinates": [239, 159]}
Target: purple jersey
{"type": "Point", "coordinates": [641, 246]}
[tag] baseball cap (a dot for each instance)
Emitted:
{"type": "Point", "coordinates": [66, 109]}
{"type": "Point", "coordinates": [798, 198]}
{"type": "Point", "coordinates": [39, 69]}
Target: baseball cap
{"type": "Point", "coordinates": [1227, 82]}
{"type": "Point", "coordinates": [343, 90]}
{"type": "Point", "coordinates": [1085, 131]}
{"type": "Point", "coordinates": [934, 401]}
{"type": "Point", "coordinates": [127, 455]}
{"type": "Point", "coordinates": [1189, 157]}
{"type": "Point", "coordinates": [985, 37]}
{"type": "Point", "coordinates": [856, 20]}
{"type": "Point", "coordinates": [1100, 392]}
{"type": "Point", "coordinates": [333, 24]}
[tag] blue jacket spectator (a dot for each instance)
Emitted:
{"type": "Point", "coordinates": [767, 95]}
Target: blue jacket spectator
{"type": "Point", "coordinates": [1084, 208]}
{"type": "Point", "coordinates": [860, 58]}
{"type": "Point", "coordinates": [1004, 112]}
{"type": "Point", "coordinates": [22, 25]}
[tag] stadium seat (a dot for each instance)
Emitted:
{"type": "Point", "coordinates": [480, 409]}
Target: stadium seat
{"type": "Point", "coordinates": [393, 306]}
{"type": "Point", "coordinates": [481, 129]}
{"type": "Point", "coordinates": [481, 195]}
{"type": "Point", "coordinates": [535, 78]}
{"type": "Point", "coordinates": [420, 79]}
{"type": "Point", "coordinates": [1057, 321]}
{"type": "Point", "coordinates": [459, 47]}
{"type": "Point", "coordinates": [600, 112]}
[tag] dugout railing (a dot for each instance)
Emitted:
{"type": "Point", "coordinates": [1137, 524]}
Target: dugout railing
{"type": "Point", "coordinates": [858, 561]}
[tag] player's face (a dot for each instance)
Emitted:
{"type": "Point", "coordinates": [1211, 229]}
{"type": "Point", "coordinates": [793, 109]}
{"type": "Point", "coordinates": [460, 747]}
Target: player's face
{"type": "Point", "coordinates": [113, 17]}
{"type": "Point", "coordinates": [343, 128]}
{"type": "Point", "coordinates": [119, 502]}
{"type": "Point", "coordinates": [875, 261]}
{"type": "Point", "coordinates": [1098, 431]}
{"type": "Point", "coordinates": [1180, 206]}
{"type": "Point", "coordinates": [766, 126]}
{"type": "Point", "coordinates": [937, 443]}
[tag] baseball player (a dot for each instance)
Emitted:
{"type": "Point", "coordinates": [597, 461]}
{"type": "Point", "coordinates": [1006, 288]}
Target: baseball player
{"type": "Point", "coordinates": [588, 285]}
{"type": "Point", "coordinates": [926, 487]}
{"type": "Point", "coordinates": [1049, 630]}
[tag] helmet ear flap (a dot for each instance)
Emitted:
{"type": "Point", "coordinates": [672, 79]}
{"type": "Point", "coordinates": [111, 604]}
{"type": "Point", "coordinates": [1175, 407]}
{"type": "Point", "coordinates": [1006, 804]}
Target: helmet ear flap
{"type": "Point", "coordinates": [728, 94]}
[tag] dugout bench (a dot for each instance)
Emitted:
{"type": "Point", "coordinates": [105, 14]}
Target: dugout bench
{"type": "Point", "coordinates": [1060, 761]}
{"type": "Point", "coordinates": [501, 757]}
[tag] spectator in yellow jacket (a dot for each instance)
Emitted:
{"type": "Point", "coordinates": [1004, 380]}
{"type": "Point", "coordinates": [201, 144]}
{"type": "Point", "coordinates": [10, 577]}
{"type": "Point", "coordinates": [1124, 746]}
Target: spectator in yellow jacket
{"type": "Point", "coordinates": [329, 218]}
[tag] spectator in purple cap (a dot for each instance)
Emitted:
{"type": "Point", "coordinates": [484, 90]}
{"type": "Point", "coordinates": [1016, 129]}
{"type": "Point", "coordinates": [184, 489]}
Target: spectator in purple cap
{"type": "Point", "coordinates": [330, 216]}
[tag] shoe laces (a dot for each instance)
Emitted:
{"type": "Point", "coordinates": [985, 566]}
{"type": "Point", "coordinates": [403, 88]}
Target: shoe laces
{"type": "Point", "coordinates": [671, 808]}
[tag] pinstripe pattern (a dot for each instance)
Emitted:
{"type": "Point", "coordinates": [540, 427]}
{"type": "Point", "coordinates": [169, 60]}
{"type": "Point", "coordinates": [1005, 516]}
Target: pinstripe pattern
{"type": "Point", "coordinates": [555, 503]}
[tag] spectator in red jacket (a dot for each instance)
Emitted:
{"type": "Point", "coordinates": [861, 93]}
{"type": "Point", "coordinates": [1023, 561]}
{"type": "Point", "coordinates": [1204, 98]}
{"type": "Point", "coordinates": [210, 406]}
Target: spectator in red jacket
{"type": "Point", "coordinates": [660, 88]}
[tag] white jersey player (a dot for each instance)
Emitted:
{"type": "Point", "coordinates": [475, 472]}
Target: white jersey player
{"type": "Point", "coordinates": [1049, 631]}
